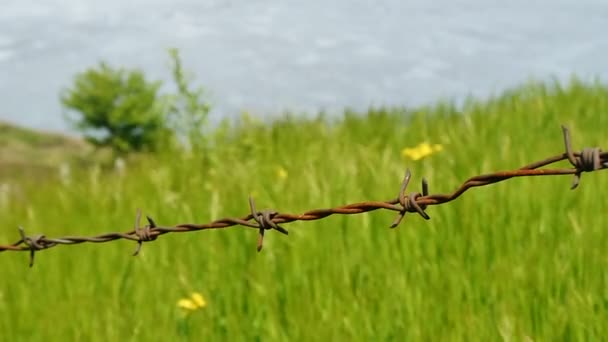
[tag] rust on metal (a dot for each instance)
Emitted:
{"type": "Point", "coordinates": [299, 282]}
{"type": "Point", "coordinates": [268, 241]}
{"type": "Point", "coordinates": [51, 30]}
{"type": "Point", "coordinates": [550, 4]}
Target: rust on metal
{"type": "Point", "coordinates": [588, 160]}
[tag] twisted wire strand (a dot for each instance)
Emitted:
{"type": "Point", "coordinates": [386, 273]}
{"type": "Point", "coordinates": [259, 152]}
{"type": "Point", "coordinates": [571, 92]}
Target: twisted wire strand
{"type": "Point", "coordinates": [588, 160]}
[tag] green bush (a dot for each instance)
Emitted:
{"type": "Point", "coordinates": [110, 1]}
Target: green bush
{"type": "Point", "coordinates": [118, 108]}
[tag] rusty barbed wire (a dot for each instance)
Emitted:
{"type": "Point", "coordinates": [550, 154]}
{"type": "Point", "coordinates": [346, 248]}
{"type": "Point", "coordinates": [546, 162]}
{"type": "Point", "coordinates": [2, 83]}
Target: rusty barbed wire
{"type": "Point", "coordinates": [588, 160]}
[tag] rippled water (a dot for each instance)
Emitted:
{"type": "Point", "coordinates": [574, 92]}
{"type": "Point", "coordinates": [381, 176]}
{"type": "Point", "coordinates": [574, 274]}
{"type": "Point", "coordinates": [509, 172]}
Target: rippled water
{"type": "Point", "coordinates": [271, 55]}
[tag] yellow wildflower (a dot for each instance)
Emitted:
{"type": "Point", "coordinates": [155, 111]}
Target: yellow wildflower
{"type": "Point", "coordinates": [194, 303]}
{"type": "Point", "coordinates": [421, 151]}
{"type": "Point", "coordinates": [282, 173]}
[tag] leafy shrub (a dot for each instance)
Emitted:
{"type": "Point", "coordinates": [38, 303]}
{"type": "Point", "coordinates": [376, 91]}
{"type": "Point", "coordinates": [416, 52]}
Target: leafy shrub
{"type": "Point", "coordinates": [118, 108]}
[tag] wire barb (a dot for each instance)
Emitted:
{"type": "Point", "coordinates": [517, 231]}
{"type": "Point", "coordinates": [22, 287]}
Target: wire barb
{"type": "Point", "coordinates": [33, 243]}
{"type": "Point", "coordinates": [143, 234]}
{"type": "Point", "coordinates": [264, 221]}
{"type": "Point", "coordinates": [409, 203]}
{"type": "Point", "coordinates": [588, 160]}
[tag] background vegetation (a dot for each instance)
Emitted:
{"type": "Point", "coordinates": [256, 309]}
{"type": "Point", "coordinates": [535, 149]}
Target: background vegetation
{"type": "Point", "coordinates": [520, 260]}
{"type": "Point", "coordinates": [123, 111]}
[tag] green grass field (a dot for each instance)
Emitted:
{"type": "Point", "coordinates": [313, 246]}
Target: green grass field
{"type": "Point", "coordinates": [521, 260]}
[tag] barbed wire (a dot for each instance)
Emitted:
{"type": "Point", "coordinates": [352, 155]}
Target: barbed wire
{"type": "Point", "coordinates": [588, 160]}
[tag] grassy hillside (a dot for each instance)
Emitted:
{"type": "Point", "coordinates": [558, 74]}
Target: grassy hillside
{"type": "Point", "coordinates": [26, 153]}
{"type": "Point", "coordinates": [520, 260]}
